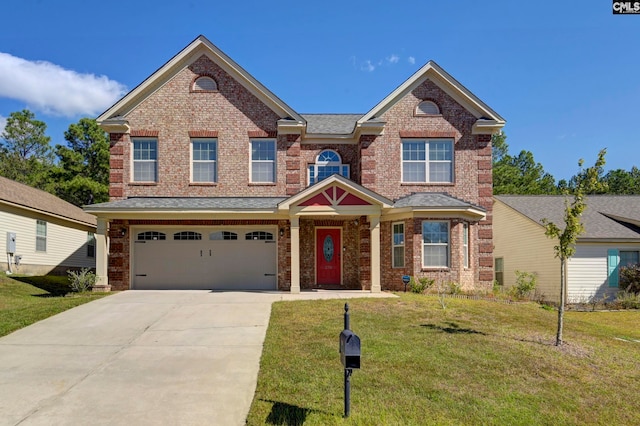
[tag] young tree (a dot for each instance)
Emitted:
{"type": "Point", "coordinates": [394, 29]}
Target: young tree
{"type": "Point", "coordinates": [82, 173]}
{"type": "Point", "coordinates": [587, 182]}
{"type": "Point", "coordinates": [25, 154]}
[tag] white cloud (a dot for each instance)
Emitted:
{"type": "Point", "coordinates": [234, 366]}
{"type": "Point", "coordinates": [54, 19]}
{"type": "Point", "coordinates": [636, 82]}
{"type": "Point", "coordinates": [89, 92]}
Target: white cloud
{"type": "Point", "coordinates": [368, 66]}
{"type": "Point", "coordinates": [3, 122]}
{"type": "Point", "coordinates": [51, 89]}
{"type": "Point", "coordinates": [411, 60]}
{"type": "Point", "coordinates": [393, 59]}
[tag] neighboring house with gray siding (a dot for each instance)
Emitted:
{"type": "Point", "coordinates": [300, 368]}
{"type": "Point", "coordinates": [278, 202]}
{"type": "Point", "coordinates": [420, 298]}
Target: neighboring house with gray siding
{"type": "Point", "coordinates": [611, 240]}
{"type": "Point", "coordinates": [49, 235]}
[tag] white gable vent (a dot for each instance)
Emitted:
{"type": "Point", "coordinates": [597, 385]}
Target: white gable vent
{"type": "Point", "coordinates": [204, 84]}
{"type": "Point", "coordinates": [427, 108]}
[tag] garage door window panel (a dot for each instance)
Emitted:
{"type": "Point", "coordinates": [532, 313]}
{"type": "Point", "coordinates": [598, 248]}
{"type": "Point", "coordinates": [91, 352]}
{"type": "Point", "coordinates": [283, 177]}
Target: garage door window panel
{"type": "Point", "coordinates": [187, 236]}
{"type": "Point", "coordinates": [223, 235]}
{"type": "Point", "coordinates": [151, 236]}
{"type": "Point", "coordinates": [259, 235]}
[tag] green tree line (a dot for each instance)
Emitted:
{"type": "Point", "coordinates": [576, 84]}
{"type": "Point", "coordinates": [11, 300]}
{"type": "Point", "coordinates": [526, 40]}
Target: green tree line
{"type": "Point", "coordinates": [522, 175]}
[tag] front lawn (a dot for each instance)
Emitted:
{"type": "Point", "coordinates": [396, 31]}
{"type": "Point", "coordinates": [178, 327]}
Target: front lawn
{"type": "Point", "coordinates": [25, 300]}
{"type": "Point", "coordinates": [476, 362]}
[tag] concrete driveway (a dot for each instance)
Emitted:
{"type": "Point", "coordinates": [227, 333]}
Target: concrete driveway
{"type": "Point", "coordinates": [143, 358]}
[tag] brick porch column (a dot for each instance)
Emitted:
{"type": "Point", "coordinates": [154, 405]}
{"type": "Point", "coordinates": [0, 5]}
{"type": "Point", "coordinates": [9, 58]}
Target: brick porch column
{"type": "Point", "coordinates": [295, 254]}
{"type": "Point", "coordinates": [374, 228]}
{"type": "Point", "coordinates": [102, 258]}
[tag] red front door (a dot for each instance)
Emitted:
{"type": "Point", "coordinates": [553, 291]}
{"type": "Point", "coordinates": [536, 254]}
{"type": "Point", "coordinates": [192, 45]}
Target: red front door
{"type": "Point", "coordinates": [328, 251]}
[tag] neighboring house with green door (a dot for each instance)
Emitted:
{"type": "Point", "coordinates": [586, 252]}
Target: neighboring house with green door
{"type": "Point", "coordinates": [611, 240]}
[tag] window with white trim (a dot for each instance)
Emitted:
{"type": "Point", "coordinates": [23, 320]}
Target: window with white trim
{"type": "Point", "coordinates": [465, 244]}
{"type": "Point", "coordinates": [499, 270]}
{"type": "Point", "coordinates": [145, 160]}
{"type": "Point", "coordinates": [328, 162]}
{"type": "Point", "coordinates": [151, 236]}
{"type": "Point", "coordinates": [427, 108]}
{"type": "Point", "coordinates": [435, 244]}
{"type": "Point", "coordinates": [41, 235]}
{"type": "Point", "coordinates": [397, 242]}
{"type": "Point", "coordinates": [91, 245]}
{"type": "Point", "coordinates": [427, 161]}
{"type": "Point", "coordinates": [204, 155]}
{"type": "Point", "coordinates": [204, 84]}
{"type": "Point", "coordinates": [263, 161]}
{"type": "Point", "coordinates": [259, 235]}
{"type": "Point", "coordinates": [187, 235]}
{"type": "Point", "coordinates": [223, 235]}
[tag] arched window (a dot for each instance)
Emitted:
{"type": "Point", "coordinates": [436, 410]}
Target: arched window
{"type": "Point", "coordinates": [427, 108]}
{"type": "Point", "coordinates": [187, 235]}
{"type": "Point", "coordinates": [151, 236]}
{"type": "Point", "coordinates": [204, 84]}
{"type": "Point", "coordinates": [223, 235]}
{"type": "Point", "coordinates": [328, 162]}
{"type": "Point", "coordinates": [258, 235]}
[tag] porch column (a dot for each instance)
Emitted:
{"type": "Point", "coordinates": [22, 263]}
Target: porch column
{"type": "Point", "coordinates": [375, 253]}
{"type": "Point", "coordinates": [102, 256]}
{"type": "Point", "coordinates": [295, 254]}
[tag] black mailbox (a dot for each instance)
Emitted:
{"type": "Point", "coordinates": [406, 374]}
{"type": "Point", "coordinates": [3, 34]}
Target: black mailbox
{"type": "Point", "coordinates": [349, 349]}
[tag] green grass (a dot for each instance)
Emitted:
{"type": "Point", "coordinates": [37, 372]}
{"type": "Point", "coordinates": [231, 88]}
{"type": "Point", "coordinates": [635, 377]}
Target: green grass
{"type": "Point", "coordinates": [25, 300]}
{"type": "Point", "coordinates": [476, 362]}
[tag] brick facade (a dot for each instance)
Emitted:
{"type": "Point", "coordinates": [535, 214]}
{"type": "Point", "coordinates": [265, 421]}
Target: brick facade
{"type": "Point", "coordinates": [174, 114]}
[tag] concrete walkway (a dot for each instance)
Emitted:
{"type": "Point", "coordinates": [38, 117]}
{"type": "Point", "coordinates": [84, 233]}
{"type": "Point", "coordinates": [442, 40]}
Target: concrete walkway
{"type": "Point", "coordinates": [142, 358]}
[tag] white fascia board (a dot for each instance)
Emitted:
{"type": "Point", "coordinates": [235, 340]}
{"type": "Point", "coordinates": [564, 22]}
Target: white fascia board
{"type": "Point", "coordinates": [49, 214]}
{"type": "Point", "coordinates": [486, 127]}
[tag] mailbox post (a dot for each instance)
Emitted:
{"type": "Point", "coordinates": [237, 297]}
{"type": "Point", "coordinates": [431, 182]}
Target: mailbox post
{"type": "Point", "coordinates": [406, 279]}
{"type": "Point", "coordinates": [350, 358]}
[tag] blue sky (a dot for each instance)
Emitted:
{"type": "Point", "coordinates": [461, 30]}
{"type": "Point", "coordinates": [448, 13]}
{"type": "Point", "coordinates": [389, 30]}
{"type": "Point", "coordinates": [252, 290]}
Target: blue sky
{"type": "Point", "coordinates": [565, 75]}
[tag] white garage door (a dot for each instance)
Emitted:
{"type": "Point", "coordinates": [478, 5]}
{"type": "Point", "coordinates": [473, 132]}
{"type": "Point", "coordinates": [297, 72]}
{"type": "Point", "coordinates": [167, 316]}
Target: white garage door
{"type": "Point", "coordinates": [229, 259]}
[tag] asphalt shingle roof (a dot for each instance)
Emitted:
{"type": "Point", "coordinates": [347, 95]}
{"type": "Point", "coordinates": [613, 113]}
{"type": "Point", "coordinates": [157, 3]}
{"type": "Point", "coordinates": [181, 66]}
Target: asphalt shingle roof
{"type": "Point", "coordinates": [433, 199]}
{"type": "Point", "coordinates": [23, 195]}
{"type": "Point", "coordinates": [331, 124]}
{"type": "Point", "coordinates": [605, 217]}
{"type": "Point", "coordinates": [190, 203]}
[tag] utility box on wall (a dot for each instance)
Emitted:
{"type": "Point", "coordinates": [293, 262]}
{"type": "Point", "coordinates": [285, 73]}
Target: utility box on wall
{"type": "Point", "coordinates": [11, 242]}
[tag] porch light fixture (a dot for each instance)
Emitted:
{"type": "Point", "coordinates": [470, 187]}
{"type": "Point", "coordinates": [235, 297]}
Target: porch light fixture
{"type": "Point", "coordinates": [123, 231]}
{"type": "Point", "coordinates": [281, 232]}
{"type": "Point", "coordinates": [356, 222]}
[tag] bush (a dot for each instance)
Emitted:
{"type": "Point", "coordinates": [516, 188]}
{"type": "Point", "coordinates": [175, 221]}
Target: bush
{"type": "Point", "coordinates": [525, 284]}
{"type": "Point", "coordinates": [454, 287]}
{"type": "Point", "coordinates": [630, 278]}
{"type": "Point", "coordinates": [419, 285]}
{"type": "Point", "coordinates": [82, 280]}
{"type": "Point", "coordinates": [628, 300]}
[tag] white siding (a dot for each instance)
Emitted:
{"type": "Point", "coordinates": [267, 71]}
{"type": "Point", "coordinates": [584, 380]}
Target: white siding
{"type": "Point", "coordinates": [587, 272]}
{"type": "Point", "coordinates": [66, 241]}
{"type": "Point", "coordinates": [524, 247]}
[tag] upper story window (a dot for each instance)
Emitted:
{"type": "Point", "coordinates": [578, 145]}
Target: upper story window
{"type": "Point", "coordinates": [263, 161]}
{"type": "Point", "coordinates": [204, 84]}
{"type": "Point", "coordinates": [204, 154]}
{"type": "Point", "coordinates": [327, 163]}
{"type": "Point", "coordinates": [427, 161]}
{"type": "Point", "coordinates": [427, 108]}
{"type": "Point", "coordinates": [145, 160]}
{"type": "Point", "coordinates": [435, 244]}
{"type": "Point", "coordinates": [41, 235]}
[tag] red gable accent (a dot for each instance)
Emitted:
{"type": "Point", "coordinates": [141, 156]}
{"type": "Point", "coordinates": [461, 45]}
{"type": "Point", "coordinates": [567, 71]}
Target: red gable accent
{"type": "Point", "coordinates": [339, 192]}
{"type": "Point", "coordinates": [352, 200]}
{"type": "Point", "coordinates": [317, 200]}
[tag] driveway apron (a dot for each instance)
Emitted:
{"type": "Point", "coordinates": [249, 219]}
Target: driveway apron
{"type": "Point", "coordinates": [138, 357]}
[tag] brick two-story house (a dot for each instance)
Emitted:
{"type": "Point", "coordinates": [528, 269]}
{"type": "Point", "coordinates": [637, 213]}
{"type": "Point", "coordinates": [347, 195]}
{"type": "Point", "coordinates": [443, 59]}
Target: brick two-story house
{"type": "Point", "coordinates": [216, 183]}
